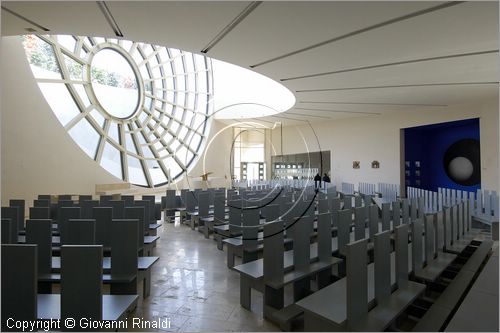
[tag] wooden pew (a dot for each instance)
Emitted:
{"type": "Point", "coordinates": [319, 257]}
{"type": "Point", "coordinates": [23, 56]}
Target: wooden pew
{"type": "Point", "coordinates": [19, 287]}
{"type": "Point", "coordinates": [81, 289]}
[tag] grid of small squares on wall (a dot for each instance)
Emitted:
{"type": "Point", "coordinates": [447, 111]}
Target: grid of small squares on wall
{"type": "Point", "coordinates": [244, 175]}
{"type": "Point", "coordinates": [412, 173]}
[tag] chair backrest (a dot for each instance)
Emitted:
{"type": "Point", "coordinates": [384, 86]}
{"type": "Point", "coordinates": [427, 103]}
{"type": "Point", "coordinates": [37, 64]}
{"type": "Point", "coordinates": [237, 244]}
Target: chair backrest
{"type": "Point", "coordinates": [454, 223]}
{"type": "Point", "coordinates": [373, 225]}
{"type": "Point", "coordinates": [323, 206]}
{"type": "Point", "coordinates": [439, 229]}
{"type": "Point", "coordinates": [65, 197]}
{"type": "Point", "coordinates": [416, 248]}
{"type": "Point", "coordinates": [430, 237]}
{"type": "Point", "coordinates": [234, 216]}
{"type": "Point", "coordinates": [396, 213]}
{"type": "Point", "coordinates": [87, 207]}
{"type": "Point", "coordinates": [39, 232]}
{"type": "Point", "coordinates": [406, 211]}
{"type": "Point", "coordinates": [103, 217]}
{"type": "Point", "coordinates": [356, 281]}
{"type": "Point", "coordinates": [104, 199]}
{"type": "Point", "coordinates": [20, 217]}
{"type": "Point", "coordinates": [334, 204]}
{"type": "Point", "coordinates": [66, 213]}
{"type": "Point", "coordinates": [413, 209]}
{"type": "Point", "coordinates": [171, 199]}
{"type": "Point", "coordinates": [84, 197]}
{"type": "Point", "coordinates": [7, 231]}
{"type": "Point", "coordinates": [357, 201]}
{"type": "Point", "coordinates": [324, 237]}
{"type": "Point", "coordinates": [460, 219]}
{"type": "Point", "coordinates": [19, 283]}
{"type": "Point", "coordinates": [39, 213]}
{"type": "Point", "coordinates": [191, 201]}
{"type": "Point", "coordinates": [343, 231]}
{"type": "Point", "coordinates": [41, 203]}
{"type": "Point", "coordinates": [124, 246]}
{"type": "Point", "coordinates": [386, 216]}
{"type": "Point", "coordinates": [137, 213]}
{"type": "Point", "coordinates": [347, 202]}
{"type": "Point", "coordinates": [219, 209]}
{"type": "Point", "coordinates": [273, 251]}
{"type": "Point", "coordinates": [250, 224]}
{"type": "Point", "coordinates": [151, 199]}
{"type": "Point", "coordinates": [79, 232]}
{"type": "Point", "coordinates": [12, 214]}
{"type": "Point", "coordinates": [118, 208]}
{"type": "Point", "coordinates": [271, 212]}
{"type": "Point", "coordinates": [147, 212]}
{"type": "Point", "coordinates": [359, 222]}
{"type": "Point", "coordinates": [382, 263]}
{"type": "Point", "coordinates": [203, 204]}
{"type": "Point", "coordinates": [81, 282]}
{"type": "Point", "coordinates": [301, 243]}
{"type": "Point", "coordinates": [128, 200]}
{"type": "Point", "coordinates": [401, 249]}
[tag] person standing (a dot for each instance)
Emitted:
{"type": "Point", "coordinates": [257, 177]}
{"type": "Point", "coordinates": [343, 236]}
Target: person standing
{"type": "Point", "coordinates": [317, 181]}
{"type": "Point", "coordinates": [326, 179]}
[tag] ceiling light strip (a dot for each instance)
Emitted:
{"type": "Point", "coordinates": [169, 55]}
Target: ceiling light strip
{"type": "Point", "coordinates": [400, 86]}
{"type": "Point", "coordinates": [228, 28]}
{"type": "Point", "coordinates": [109, 17]}
{"type": "Point", "coordinates": [368, 103]}
{"type": "Point", "coordinates": [360, 31]}
{"type": "Point", "coordinates": [307, 115]}
{"type": "Point", "coordinates": [25, 19]}
{"type": "Point", "coordinates": [338, 111]}
{"type": "Point", "coordinates": [391, 64]}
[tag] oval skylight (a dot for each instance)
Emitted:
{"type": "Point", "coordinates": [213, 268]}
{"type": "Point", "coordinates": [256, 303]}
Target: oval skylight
{"type": "Point", "coordinates": [240, 93]}
{"type": "Point", "coordinates": [142, 111]}
{"type": "Point", "coordinates": [114, 83]}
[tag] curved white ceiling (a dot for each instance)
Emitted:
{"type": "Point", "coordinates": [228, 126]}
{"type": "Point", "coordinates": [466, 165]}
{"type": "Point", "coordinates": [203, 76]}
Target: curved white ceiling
{"type": "Point", "coordinates": [240, 93]}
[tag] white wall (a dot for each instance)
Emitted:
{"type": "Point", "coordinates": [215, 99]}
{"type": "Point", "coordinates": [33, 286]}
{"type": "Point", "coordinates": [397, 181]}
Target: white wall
{"type": "Point", "coordinates": [37, 154]}
{"type": "Point", "coordinates": [378, 138]}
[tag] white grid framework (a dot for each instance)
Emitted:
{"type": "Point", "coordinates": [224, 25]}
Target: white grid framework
{"type": "Point", "coordinates": [163, 137]}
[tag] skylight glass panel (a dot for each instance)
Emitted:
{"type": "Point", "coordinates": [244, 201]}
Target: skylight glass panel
{"type": "Point", "coordinates": [157, 174]}
{"type": "Point", "coordinates": [74, 68]}
{"type": "Point", "coordinates": [111, 160]}
{"type": "Point", "coordinates": [60, 101]}
{"type": "Point", "coordinates": [130, 143]}
{"type": "Point", "coordinates": [41, 58]}
{"type": "Point", "coordinates": [67, 42]}
{"type": "Point", "coordinates": [98, 117]}
{"type": "Point", "coordinates": [86, 137]}
{"type": "Point", "coordinates": [80, 90]}
{"type": "Point", "coordinates": [135, 171]}
{"type": "Point", "coordinates": [113, 132]}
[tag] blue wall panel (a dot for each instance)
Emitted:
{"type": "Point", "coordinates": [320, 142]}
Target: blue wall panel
{"type": "Point", "coordinates": [428, 145]}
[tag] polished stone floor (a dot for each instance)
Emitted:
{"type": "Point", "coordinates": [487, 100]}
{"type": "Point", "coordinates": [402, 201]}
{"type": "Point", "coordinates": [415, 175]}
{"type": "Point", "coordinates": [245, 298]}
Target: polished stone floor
{"type": "Point", "coordinates": [193, 288]}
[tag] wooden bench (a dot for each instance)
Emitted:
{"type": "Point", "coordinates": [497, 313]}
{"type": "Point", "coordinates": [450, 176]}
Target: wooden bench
{"type": "Point", "coordinates": [326, 309]}
{"type": "Point", "coordinates": [437, 315]}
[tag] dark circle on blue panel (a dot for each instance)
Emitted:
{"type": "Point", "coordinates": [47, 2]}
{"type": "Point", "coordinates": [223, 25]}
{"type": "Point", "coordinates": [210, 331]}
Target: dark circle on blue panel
{"type": "Point", "coordinates": [462, 154]}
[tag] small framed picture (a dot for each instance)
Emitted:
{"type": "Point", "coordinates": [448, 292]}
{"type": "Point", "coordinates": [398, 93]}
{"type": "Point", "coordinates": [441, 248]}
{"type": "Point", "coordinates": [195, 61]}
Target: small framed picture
{"type": "Point", "coordinates": [375, 164]}
{"type": "Point", "coordinates": [355, 164]}
{"type": "Point", "coordinates": [417, 173]}
{"type": "Point", "coordinates": [417, 164]}
{"type": "Point", "coordinates": [407, 164]}
{"type": "Point", "coordinates": [417, 182]}
{"type": "Point", "coordinates": [408, 173]}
